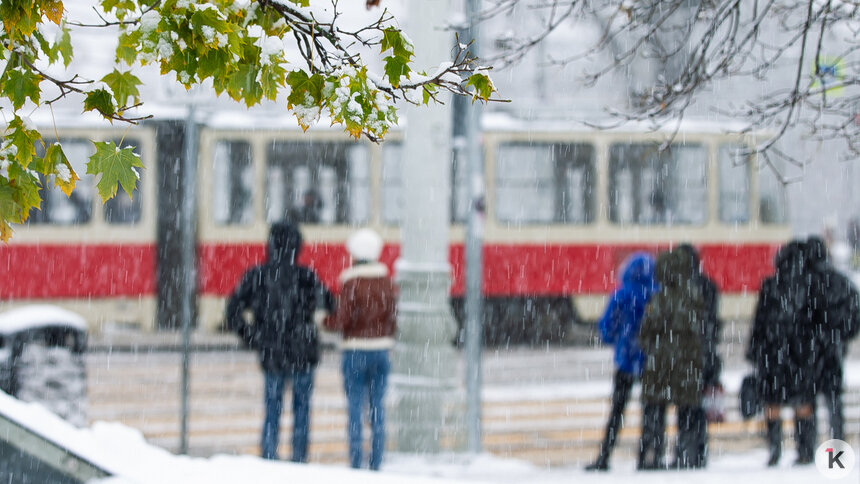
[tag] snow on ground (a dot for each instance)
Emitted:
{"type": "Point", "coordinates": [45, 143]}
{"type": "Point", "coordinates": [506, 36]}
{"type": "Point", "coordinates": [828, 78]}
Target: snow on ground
{"type": "Point", "coordinates": [124, 452]}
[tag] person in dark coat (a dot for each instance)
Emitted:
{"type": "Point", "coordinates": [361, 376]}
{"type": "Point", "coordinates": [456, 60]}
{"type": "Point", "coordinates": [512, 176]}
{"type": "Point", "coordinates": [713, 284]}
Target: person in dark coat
{"type": "Point", "coordinates": [619, 326]}
{"type": "Point", "coordinates": [670, 338]}
{"type": "Point", "coordinates": [282, 297]}
{"type": "Point", "coordinates": [712, 364]}
{"type": "Point", "coordinates": [782, 350]}
{"type": "Point", "coordinates": [835, 317]}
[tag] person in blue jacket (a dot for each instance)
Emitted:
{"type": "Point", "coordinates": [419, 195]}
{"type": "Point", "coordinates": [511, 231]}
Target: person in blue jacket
{"type": "Point", "coordinates": [619, 326]}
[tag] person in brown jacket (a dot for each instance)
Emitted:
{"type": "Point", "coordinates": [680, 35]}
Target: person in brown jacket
{"type": "Point", "coordinates": [366, 317]}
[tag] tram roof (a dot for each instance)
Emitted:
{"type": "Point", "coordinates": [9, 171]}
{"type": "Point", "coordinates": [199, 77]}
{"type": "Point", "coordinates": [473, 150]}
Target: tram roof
{"type": "Point", "coordinates": [278, 118]}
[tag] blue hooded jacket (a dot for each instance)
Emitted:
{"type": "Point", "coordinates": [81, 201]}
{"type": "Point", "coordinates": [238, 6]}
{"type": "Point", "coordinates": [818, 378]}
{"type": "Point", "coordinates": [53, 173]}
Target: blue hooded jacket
{"type": "Point", "coordinates": [620, 322]}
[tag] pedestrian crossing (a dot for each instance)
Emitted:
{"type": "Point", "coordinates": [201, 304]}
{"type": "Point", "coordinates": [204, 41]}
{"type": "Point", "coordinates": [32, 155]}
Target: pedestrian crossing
{"type": "Point", "coordinates": [560, 425]}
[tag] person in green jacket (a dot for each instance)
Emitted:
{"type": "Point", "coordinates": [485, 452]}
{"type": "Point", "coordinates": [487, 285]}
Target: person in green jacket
{"type": "Point", "coordinates": [670, 338]}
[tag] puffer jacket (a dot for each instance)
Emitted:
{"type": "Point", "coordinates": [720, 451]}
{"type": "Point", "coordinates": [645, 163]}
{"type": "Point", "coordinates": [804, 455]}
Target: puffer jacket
{"type": "Point", "coordinates": [670, 335]}
{"type": "Point", "coordinates": [620, 323]}
{"type": "Point", "coordinates": [835, 309]}
{"type": "Point", "coordinates": [783, 345]}
{"type": "Point", "coordinates": [282, 296]}
{"type": "Point", "coordinates": [366, 313]}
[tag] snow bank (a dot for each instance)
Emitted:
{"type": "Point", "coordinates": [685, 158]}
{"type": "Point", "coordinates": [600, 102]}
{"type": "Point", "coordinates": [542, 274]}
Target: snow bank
{"type": "Point", "coordinates": [39, 316]}
{"type": "Point", "coordinates": [123, 452]}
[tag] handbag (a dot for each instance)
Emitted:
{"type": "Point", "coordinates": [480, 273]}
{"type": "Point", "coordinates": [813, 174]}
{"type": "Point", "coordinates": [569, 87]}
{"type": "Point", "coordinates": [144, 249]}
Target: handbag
{"type": "Point", "coordinates": [749, 397]}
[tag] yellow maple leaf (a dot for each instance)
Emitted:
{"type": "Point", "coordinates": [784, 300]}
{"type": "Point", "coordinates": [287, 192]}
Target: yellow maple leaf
{"type": "Point", "coordinates": [53, 10]}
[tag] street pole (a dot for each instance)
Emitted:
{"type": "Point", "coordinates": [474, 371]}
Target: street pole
{"type": "Point", "coordinates": [424, 379]}
{"type": "Point", "coordinates": [474, 245]}
{"type": "Point", "coordinates": [189, 269]}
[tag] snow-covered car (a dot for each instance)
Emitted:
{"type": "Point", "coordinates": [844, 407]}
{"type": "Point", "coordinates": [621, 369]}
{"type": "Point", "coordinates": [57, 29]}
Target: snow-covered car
{"type": "Point", "coordinates": [42, 359]}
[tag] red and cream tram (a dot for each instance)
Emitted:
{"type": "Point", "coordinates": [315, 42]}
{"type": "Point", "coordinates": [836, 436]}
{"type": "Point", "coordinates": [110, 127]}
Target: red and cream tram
{"type": "Point", "coordinates": [563, 209]}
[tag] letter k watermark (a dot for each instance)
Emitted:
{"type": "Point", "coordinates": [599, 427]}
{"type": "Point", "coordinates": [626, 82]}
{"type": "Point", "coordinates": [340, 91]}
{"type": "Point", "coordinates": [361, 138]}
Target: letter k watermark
{"type": "Point", "coordinates": [834, 459]}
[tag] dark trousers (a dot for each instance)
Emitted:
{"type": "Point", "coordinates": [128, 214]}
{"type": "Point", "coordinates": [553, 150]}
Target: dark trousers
{"type": "Point", "coordinates": [697, 444]}
{"type": "Point", "coordinates": [275, 382]}
{"type": "Point", "coordinates": [622, 384]}
{"type": "Point", "coordinates": [831, 388]}
{"type": "Point", "coordinates": [652, 444]}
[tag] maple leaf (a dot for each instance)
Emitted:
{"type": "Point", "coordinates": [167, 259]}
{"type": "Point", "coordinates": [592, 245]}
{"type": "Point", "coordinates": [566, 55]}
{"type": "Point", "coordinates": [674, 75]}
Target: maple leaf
{"type": "Point", "coordinates": [116, 167]}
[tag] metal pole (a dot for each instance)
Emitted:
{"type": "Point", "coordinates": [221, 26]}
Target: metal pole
{"type": "Point", "coordinates": [189, 271]}
{"type": "Point", "coordinates": [474, 262]}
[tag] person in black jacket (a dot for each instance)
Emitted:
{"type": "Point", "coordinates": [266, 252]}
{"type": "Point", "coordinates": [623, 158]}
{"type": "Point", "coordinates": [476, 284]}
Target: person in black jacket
{"type": "Point", "coordinates": [712, 364]}
{"type": "Point", "coordinates": [282, 297]}
{"type": "Point", "coordinates": [783, 352]}
{"type": "Point", "coordinates": [836, 316]}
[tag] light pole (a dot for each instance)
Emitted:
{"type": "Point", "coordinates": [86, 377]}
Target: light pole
{"type": "Point", "coordinates": [424, 365]}
{"type": "Point", "coordinates": [474, 261]}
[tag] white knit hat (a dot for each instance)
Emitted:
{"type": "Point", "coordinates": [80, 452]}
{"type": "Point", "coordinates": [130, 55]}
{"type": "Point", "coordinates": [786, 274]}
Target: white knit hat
{"type": "Point", "coordinates": [365, 245]}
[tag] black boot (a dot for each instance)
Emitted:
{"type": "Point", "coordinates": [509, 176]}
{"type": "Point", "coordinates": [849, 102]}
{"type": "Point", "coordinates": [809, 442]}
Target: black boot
{"type": "Point", "coordinates": [806, 437]}
{"type": "Point", "coordinates": [774, 441]}
{"type": "Point", "coordinates": [600, 464]}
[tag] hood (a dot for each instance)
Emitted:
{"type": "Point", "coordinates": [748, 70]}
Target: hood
{"type": "Point", "coordinates": [790, 259]}
{"type": "Point", "coordinates": [816, 252]}
{"type": "Point", "coordinates": [638, 270]}
{"type": "Point", "coordinates": [674, 268]}
{"type": "Point", "coordinates": [285, 243]}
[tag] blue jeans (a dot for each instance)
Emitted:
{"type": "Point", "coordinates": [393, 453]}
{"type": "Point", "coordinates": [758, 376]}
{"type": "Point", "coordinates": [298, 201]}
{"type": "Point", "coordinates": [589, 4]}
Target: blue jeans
{"type": "Point", "coordinates": [365, 377]}
{"type": "Point", "coordinates": [303, 383]}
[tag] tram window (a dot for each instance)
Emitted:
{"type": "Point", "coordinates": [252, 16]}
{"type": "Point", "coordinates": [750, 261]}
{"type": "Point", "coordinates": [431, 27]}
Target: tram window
{"type": "Point", "coordinates": [650, 186]}
{"type": "Point", "coordinates": [545, 183]}
{"type": "Point", "coordinates": [734, 172]}
{"type": "Point", "coordinates": [122, 209]}
{"type": "Point", "coordinates": [59, 209]}
{"type": "Point", "coordinates": [232, 184]}
{"type": "Point", "coordinates": [392, 183]}
{"type": "Point", "coordinates": [321, 183]}
{"type": "Point", "coordinates": [772, 202]}
{"type": "Point", "coordinates": [575, 178]}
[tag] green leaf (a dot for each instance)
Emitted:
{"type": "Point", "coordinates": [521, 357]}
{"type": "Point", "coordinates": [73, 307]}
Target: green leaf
{"type": "Point", "coordinates": [395, 68]}
{"type": "Point", "coordinates": [100, 100]}
{"type": "Point", "coordinates": [56, 163]}
{"type": "Point", "coordinates": [9, 209]}
{"type": "Point", "coordinates": [395, 40]}
{"type": "Point", "coordinates": [20, 18]}
{"type": "Point", "coordinates": [116, 167]}
{"type": "Point", "coordinates": [50, 50]}
{"type": "Point", "coordinates": [427, 92]}
{"type": "Point", "coordinates": [129, 46]}
{"type": "Point", "coordinates": [20, 84]}
{"type": "Point", "coordinates": [483, 86]}
{"type": "Point", "coordinates": [271, 80]}
{"type": "Point", "coordinates": [26, 188]}
{"type": "Point", "coordinates": [65, 47]}
{"type": "Point", "coordinates": [301, 84]}
{"type": "Point", "coordinates": [124, 86]}
{"type": "Point", "coordinates": [212, 62]}
{"type": "Point", "coordinates": [243, 84]}
{"type": "Point", "coordinates": [24, 140]}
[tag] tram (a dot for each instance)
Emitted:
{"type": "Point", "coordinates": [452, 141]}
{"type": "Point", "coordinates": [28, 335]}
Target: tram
{"type": "Point", "coordinates": [564, 207]}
